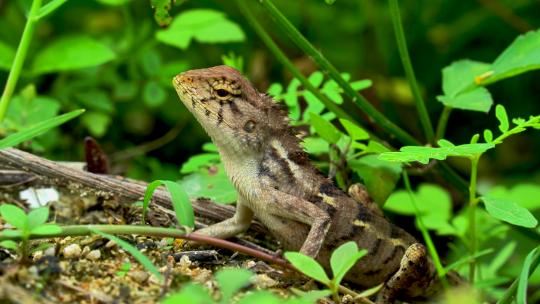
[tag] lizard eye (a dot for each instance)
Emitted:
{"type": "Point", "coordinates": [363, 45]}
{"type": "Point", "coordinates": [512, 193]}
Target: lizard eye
{"type": "Point", "coordinates": [249, 126]}
{"type": "Point", "coordinates": [222, 93]}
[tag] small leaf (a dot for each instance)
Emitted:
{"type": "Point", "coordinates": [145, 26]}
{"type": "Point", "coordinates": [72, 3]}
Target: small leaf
{"type": "Point", "coordinates": [275, 89]}
{"type": "Point", "coordinates": [231, 280]}
{"type": "Point", "coordinates": [191, 293]}
{"type": "Point", "coordinates": [443, 143]}
{"type": "Point", "coordinates": [519, 57]}
{"type": "Point", "coordinates": [153, 94]}
{"type": "Point", "coordinates": [211, 182]}
{"type": "Point", "coordinates": [343, 258]}
{"type": "Point", "coordinates": [500, 113]}
{"type": "Point", "coordinates": [97, 123]}
{"type": "Point", "coordinates": [161, 11]}
{"type": "Point", "coordinates": [424, 154]}
{"type": "Point", "coordinates": [316, 78]}
{"type": "Point", "coordinates": [354, 131]}
{"type": "Point", "coordinates": [203, 25]}
{"type": "Point", "coordinates": [141, 258]}
{"type": "Point", "coordinates": [71, 53]}
{"type": "Point", "coordinates": [9, 244]}
{"type": "Point", "coordinates": [47, 229]}
{"type": "Point", "coordinates": [49, 8]}
{"type": "Point", "coordinates": [308, 266]}
{"type": "Point", "coordinates": [37, 217]}
{"type": "Point", "coordinates": [459, 76]}
{"type": "Point", "coordinates": [488, 135]}
{"type": "Point", "coordinates": [37, 129]}
{"type": "Point", "coordinates": [180, 200]}
{"type": "Point", "coordinates": [521, 296]}
{"type": "Point", "coordinates": [325, 129]}
{"type": "Point", "coordinates": [478, 99]}
{"type": "Point", "coordinates": [196, 162]}
{"type": "Point", "coordinates": [14, 216]}
{"type": "Point", "coordinates": [509, 211]}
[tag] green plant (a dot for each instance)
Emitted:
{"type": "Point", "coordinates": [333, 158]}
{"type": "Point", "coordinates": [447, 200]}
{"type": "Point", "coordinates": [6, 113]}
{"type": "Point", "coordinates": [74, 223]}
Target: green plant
{"type": "Point", "coordinates": [230, 282]}
{"type": "Point", "coordinates": [35, 222]}
{"type": "Point", "coordinates": [342, 260]}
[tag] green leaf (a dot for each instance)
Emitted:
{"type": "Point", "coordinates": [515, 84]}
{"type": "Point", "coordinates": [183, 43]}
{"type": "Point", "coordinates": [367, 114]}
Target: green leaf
{"type": "Point", "coordinates": [191, 293]}
{"type": "Point", "coordinates": [71, 53]}
{"type": "Point", "coordinates": [231, 280]}
{"type": "Point", "coordinates": [275, 89]}
{"type": "Point", "coordinates": [153, 94]}
{"type": "Point", "coordinates": [500, 113]}
{"type": "Point", "coordinates": [211, 182]}
{"type": "Point", "coordinates": [141, 258]}
{"type": "Point", "coordinates": [161, 11]}
{"type": "Point", "coordinates": [25, 111]}
{"type": "Point", "coordinates": [343, 258]}
{"type": "Point", "coordinates": [526, 195]}
{"type": "Point", "coordinates": [433, 202]}
{"type": "Point", "coordinates": [7, 54]}
{"type": "Point", "coordinates": [424, 154]}
{"type": "Point", "coordinates": [37, 129]}
{"type": "Point", "coordinates": [14, 216]}
{"type": "Point", "coordinates": [96, 123]}
{"type": "Point", "coordinates": [509, 211]}
{"type": "Point", "coordinates": [114, 2]}
{"type": "Point", "coordinates": [315, 145]}
{"type": "Point", "coordinates": [180, 201]}
{"type": "Point", "coordinates": [260, 297]}
{"type": "Point", "coordinates": [203, 25]}
{"type": "Point", "coordinates": [308, 266]}
{"type": "Point", "coordinates": [488, 135]}
{"type": "Point", "coordinates": [49, 8]}
{"type": "Point", "coordinates": [324, 128]}
{"type": "Point", "coordinates": [379, 176]}
{"type": "Point", "coordinates": [46, 229]}
{"type": "Point", "coordinates": [354, 131]}
{"type": "Point", "coordinates": [459, 76]}
{"type": "Point", "coordinates": [9, 244]}
{"type": "Point", "coordinates": [521, 296]}
{"type": "Point", "coordinates": [196, 162]}
{"type": "Point", "coordinates": [478, 99]}
{"type": "Point", "coordinates": [521, 56]}
{"type": "Point", "coordinates": [291, 99]}
{"type": "Point", "coordinates": [37, 217]}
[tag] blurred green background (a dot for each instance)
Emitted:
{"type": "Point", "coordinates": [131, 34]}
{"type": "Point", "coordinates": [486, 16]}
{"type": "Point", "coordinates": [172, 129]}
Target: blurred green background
{"type": "Point", "coordinates": [132, 106]}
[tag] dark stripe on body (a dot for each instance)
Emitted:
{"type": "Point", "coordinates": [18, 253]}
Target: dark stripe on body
{"type": "Point", "coordinates": [398, 251]}
{"type": "Point", "coordinates": [220, 116]}
{"type": "Point", "coordinates": [274, 155]}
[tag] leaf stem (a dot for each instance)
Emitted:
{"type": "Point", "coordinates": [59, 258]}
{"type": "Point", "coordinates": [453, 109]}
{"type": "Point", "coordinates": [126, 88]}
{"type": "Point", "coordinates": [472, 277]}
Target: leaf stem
{"type": "Point", "coordinates": [356, 97]}
{"type": "Point", "coordinates": [20, 56]}
{"type": "Point", "coordinates": [441, 272]}
{"type": "Point", "coordinates": [409, 71]}
{"type": "Point", "coordinates": [80, 230]}
{"type": "Point", "coordinates": [510, 293]}
{"type": "Point", "coordinates": [443, 120]}
{"type": "Point", "coordinates": [472, 215]}
{"type": "Point", "coordinates": [329, 104]}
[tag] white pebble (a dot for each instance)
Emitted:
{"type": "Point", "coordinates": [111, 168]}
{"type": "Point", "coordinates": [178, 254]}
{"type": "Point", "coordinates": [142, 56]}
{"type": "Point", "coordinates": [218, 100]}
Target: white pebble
{"type": "Point", "coordinates": [72, 251]}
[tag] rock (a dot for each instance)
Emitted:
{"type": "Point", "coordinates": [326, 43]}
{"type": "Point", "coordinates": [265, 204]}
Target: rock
{"type": "Point", "coordinates": [72, 251]}
{"type": "Point", "coordinates": [94, 255]}
{"type": "Point", "coordinates": [138, 276]}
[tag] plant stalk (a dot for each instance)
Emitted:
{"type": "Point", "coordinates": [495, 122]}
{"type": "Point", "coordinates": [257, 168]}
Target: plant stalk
{"type": "Point", "coordinates": [443, 120]}
{"type": "Point", "coordinates": [510, 293]}
{"type": "Point", "coordinates": [472, 216]}
{"type": "Point", "coordinates": [20, 56]}
{"type": "Point", "coordinates": [409, 71]}
{"type": "Point", "coordinates": [325, 65]}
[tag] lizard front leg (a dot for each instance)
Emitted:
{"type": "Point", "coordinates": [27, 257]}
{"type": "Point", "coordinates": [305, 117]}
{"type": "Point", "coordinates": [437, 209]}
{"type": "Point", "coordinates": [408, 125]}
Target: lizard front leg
{"type": "Point", "coordinates": [284, 205]}
{"type": "Point", "coordinates": [233, 226]}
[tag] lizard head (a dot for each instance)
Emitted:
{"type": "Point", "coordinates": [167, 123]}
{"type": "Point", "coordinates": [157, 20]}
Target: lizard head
{"type": "Point", "coordinates": [236, 116]}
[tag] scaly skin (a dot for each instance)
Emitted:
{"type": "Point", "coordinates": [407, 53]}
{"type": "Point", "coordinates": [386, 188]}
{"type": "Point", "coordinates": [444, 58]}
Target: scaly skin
{"type": "Point", "coordinates": [278, 185]}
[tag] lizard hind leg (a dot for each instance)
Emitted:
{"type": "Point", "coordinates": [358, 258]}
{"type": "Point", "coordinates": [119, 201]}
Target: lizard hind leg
{"type": "Point", "coordinates": [415, 274]}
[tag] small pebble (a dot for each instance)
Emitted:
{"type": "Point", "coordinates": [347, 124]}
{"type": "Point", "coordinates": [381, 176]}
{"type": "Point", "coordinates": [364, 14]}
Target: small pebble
{"type": "Point", "coordinates": [110, 244]}
{"type": "Point", "coordinates": [72, 251]}
{"type": "Point", "coordinates": [37, 255]}
{"type": "Point", "coordinates": [94, 255]}
{"type": "Point", "coordinates": [51, 251]}
{"type": "Point", "coordinates": [85, 250]}
{"type": "Point", "coordinates": [138, 276]}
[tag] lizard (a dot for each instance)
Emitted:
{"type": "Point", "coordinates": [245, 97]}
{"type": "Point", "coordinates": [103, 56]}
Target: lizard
{"type": "Point", "coordinates": [277, 184]}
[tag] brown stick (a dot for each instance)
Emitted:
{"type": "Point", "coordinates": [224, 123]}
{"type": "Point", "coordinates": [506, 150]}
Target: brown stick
{"type": "Point", "coordinates": [103, 185]}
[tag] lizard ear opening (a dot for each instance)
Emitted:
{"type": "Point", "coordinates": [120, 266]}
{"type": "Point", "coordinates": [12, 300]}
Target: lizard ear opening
{"type": "Point", "coordinates": [249, 126]}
